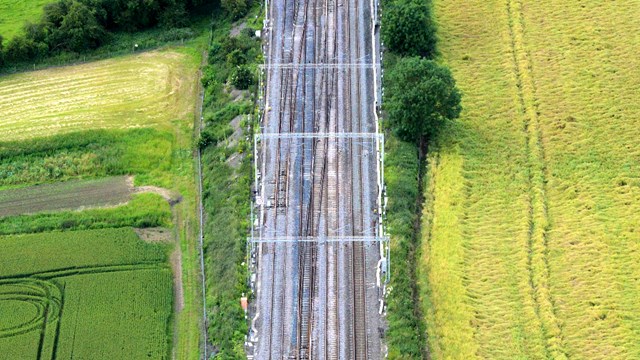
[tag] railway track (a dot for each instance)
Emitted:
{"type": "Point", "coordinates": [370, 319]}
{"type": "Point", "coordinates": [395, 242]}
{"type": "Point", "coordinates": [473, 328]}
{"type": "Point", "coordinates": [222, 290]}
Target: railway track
{"type": "Point", "coordinates": [315, 300]}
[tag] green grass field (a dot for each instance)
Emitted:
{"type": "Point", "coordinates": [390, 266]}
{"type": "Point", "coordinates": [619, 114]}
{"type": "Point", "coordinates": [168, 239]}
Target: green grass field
{"type": "Point", "coordinates": [531, 244]}
{"type": "Point", "coordinates": [14, 13]}
{"type": "Point", "coordinates": [100, 294]}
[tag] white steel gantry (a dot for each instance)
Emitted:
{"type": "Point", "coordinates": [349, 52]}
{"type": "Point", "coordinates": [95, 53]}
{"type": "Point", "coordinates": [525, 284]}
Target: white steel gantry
{"type": "Point", "coordinates": [374, 140]}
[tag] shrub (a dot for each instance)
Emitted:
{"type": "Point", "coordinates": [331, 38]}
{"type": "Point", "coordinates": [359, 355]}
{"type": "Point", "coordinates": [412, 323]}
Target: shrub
{"type": "Point", "coordinates": [177, 34]}
{"type": "Point", "coordinates": [242, 77]}
{"type": "Point", "coordinates": [235, 8]}
{"type": "Point", "coordinates": [236, 57]}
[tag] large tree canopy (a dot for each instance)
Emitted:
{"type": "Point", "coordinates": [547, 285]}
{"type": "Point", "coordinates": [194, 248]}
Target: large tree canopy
{"type": "Point", "coordinates": [80, 29]}
{"type": "Point", "coordinates": [408, 30]}
{"type": "Point", "coordinates": [422, 97]}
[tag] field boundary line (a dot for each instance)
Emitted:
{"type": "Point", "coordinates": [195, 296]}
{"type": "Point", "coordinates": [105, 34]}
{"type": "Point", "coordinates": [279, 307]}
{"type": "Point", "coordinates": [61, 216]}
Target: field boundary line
{"type": "Point", "coordinates": [198, 128]}
{"type": "Point", "coordinates": [86, 270]}
{"type": "Point", "coordinates": [538, 217]}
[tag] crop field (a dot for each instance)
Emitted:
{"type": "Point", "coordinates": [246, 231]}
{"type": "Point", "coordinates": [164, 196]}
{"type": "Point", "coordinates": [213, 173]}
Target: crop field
{"type": "Point", "coordinates": [144, 210]}
{"type": "Point", "coordinates": [65, 195]}
{"type": "Point", "coordinates": [531, 243]}
{"type": "Point", "coordinates": [13, 14]}
{"type": "Point", "coordinates": [59, 293]}
{"type": "Point", "coordinates": [148, 89]}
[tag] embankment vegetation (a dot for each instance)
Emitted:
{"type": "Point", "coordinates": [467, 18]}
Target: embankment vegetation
{"type": "Point", "coordinates": [229, 81]}
{"type": "Point", "coordinates": [421, 98]}
{"type": "Point", "coordinates": [531, 241]}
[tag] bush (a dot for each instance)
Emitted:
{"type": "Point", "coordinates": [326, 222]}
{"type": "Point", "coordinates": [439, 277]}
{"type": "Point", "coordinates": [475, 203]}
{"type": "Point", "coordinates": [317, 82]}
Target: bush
{"type": "Point", "coordinates": [236, 57]}
{"type": "Point", "coordinates": [242, 77]}
{"type": "Point", "coordinates": [211, 135]}
{"type": "Point", "coordinates": [177, 34]}
{"type": "Point", "coordinates": [408, 30]}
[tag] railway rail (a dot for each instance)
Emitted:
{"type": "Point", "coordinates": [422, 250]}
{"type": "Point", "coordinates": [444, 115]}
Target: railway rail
{"type": "Point", "coordinates": [317, 237]}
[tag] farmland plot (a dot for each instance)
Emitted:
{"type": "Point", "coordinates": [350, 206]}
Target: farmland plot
{"type": "Point", "coordinates": [531, 246]}
{"type": "Point", "coordinates": [149, 89]}
{"type": "Point", "coordinates": [131, 115]}
{"type": "Point", "coordinates": [63, 295]}
{"type": "Point", "coordinates": [65, 195]}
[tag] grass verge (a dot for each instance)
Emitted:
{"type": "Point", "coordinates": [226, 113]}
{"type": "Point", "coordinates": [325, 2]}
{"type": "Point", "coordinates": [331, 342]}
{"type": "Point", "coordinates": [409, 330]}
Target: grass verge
{"type": "Point", "coordinates": [405, 336]}
{"type": "Point", "coordinates": [227, 182]}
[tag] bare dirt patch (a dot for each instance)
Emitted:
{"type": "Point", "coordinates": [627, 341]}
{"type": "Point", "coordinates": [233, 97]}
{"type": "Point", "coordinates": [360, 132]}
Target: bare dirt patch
{"type": "Point", "coordinates": [155, 235]}
{"type": "Point", "coordinates": [176, 265]}
{"type": "Point", "coordinates": [235, 31]}
{"type": "Point", "coordinates": [171, 197]}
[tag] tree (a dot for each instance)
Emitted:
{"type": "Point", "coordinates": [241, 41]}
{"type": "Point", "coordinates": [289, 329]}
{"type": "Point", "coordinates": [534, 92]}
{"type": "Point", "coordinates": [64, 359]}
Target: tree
{"type": "Point", "coordinates": [35, 32]}
{"type": "Point", "coordinates": [408, 29]}
{"type": "Point", "coordinates": [54, 13]}
{"type": "Point", "coordinates": [80, 29]}
{"type": "Point", "coordinates": [235, 8]}
{"type": "Point", "coordinates": [174, 16]}
{"type": "Point", "coordinates": [1, 51]}
{"type": "Point", "coordinates": [422, 97]}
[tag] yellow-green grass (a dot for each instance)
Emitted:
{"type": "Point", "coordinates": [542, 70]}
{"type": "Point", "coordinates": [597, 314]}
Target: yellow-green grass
{"type": "Point", "coordinates": [148, 89]}
{"type": "Point", "coordinates": [14, 13]}
{"type": "Point", "coordinates": [532, 226]}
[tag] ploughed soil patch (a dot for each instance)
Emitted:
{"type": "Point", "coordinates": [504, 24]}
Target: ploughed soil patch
{"type": "Point", "coordinates": [67, 195]}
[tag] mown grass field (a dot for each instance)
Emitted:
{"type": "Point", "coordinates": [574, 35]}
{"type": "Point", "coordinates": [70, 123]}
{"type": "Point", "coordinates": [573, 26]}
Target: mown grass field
{"type": "Point", "coordinates": [147, 89]}
{"type": "Point", "coordinates": [100, 294]}
{"type": "Point", "coordinates": [13, 14]}
{"type": "Point", "coordinates": [531, 243]}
